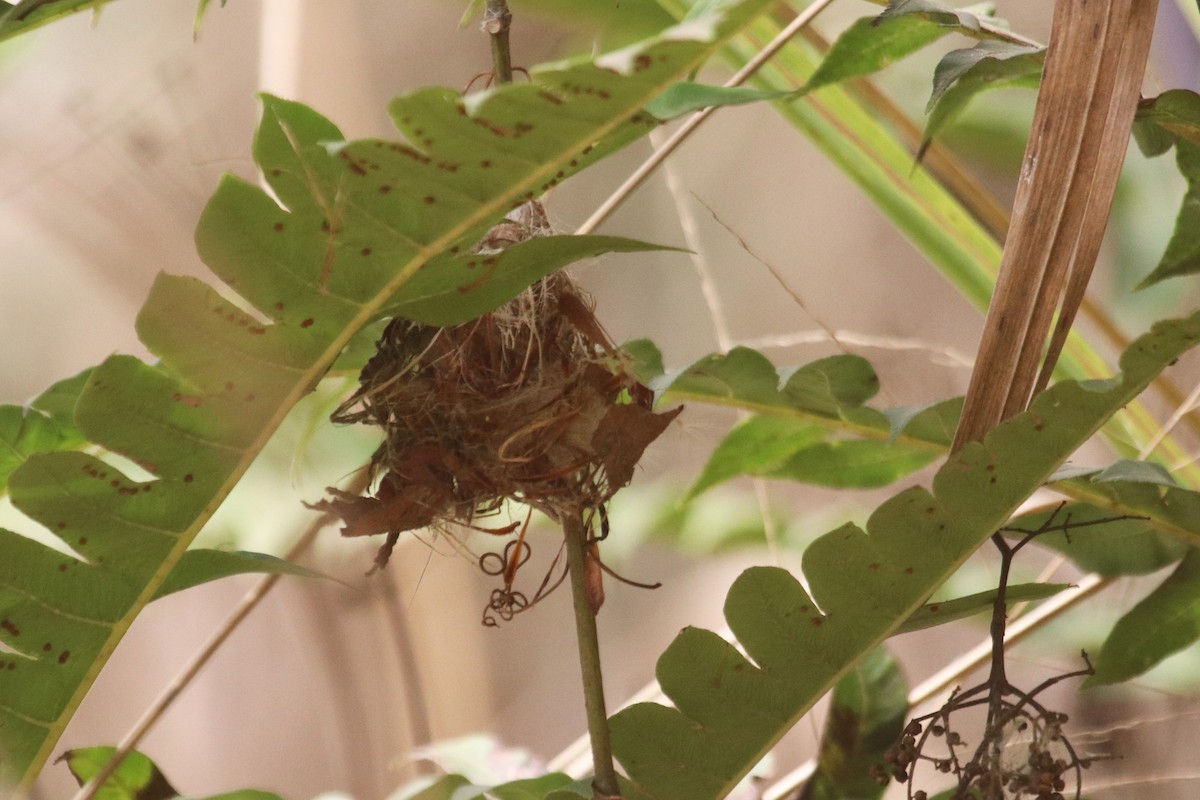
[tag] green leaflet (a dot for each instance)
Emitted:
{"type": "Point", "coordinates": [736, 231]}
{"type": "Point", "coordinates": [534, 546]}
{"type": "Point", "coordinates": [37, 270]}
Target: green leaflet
{"type": "Point", "coordinates": [360, 219]}
{"type": "Point", "coordinates": [865, 718]}
{"type": "Point", "coordinates": [757, 446]}
{"type": "Point", "coordinates": [137, 777]}
{"type": "Point", "coordinates": [46, 426]}
{"type": "Point", "coordinates": [1164, 622]}
{"type": "Point", "coordinates": [1182, 256]}
{"type": "Point", "coordinates": [730, 709]}
{"type": "Point", "coordinates": [685, 97]}
{"type": "Point", "coordinates": [1176, 111]}
{"type": "Point", "coordinates": [872, 43]}
{"type": "Point", "coordinates": [943, 611]}
{"type": "Point", "coordinates": [201, 566]}
{"type": "Point", "coordinates": [962, 74]}
{"type": "Point", "coordinates": [24, 432]}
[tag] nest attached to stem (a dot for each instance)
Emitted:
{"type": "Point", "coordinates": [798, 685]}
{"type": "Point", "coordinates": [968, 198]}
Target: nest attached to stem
{"type": "Point", "coordinates": [530, 403]}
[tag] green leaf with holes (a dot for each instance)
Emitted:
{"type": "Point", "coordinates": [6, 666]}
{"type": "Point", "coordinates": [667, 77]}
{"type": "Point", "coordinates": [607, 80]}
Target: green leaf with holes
{"type": "Point", "coordinates": [355, 222]}
{"type": "Point", "coordinates": [729, 709]}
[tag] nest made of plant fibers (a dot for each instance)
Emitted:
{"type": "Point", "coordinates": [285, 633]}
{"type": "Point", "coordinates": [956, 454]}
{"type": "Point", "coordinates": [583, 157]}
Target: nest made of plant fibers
{"type": "Point", "coordinates": [529, 402]}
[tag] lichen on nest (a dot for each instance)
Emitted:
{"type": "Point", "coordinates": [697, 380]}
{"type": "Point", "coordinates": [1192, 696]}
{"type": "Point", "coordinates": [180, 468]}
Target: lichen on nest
{"type": "Point", "coordinates": [530, 403]}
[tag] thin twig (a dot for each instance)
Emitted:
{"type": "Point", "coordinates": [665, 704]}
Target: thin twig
{"type": "Point", "coordinates": [660, 155]}
{"type": "Point", "coordinates": [185, 676]}
{"type": "Point", "coordinates": [604, 782]}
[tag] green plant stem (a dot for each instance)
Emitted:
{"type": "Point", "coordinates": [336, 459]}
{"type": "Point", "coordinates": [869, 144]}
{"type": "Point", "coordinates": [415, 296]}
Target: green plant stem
{"type": "Point", "coordinates": [496, 22]}
{"type": "Point", "coordinates": [605, 781]}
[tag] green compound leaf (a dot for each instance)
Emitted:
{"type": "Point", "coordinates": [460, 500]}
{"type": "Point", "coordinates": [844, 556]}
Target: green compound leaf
{"type": "Point", "coordinates": [832, 390]}
{"type": "Point", "coordinates": [865, 718]}
{"type": "Point", "coordinates": [358, 221]}
{"type": "Point", "coordinates": [137, 777]}
{"type": "Point", "coordinates": [730, 709]}
{"type": "Point", "coordinates": [746, 379]}
{"type": "Point", "coordinates": [963, 74]}
{"type": "Point", "coordinates": [1165, 622]}
{"type": "Point", "coordinates": [1183, 250]}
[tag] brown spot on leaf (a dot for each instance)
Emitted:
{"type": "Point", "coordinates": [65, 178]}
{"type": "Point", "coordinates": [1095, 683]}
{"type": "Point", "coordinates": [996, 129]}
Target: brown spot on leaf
{"type": "Point", "coordinates": [11, 627]}
{"type": "Point", "coordinates": [63, 656]}
{"type": "Point", "coordinates": [307, 323]}
{"type": "Point", "coordinates": [188, 478]}
{"type": "Point", "coordinates": [250, 398]}
{"type": "Point", "coordinates": [430, 199]}
{"type": "Point", "coordinates": [191, 401]}
{"type": "Point", "coordinates": [83, 540]}
{"type": "Point", "coordinates": [62, 567]}
{"type": "Point", "coordinates": [256, 330]}
{"type": "Point", "coordinates": [908, 570]}
{"type": "Point", "coordinates": [366, 251]}
{"type": "Point", "coordinates": [384, 189]}
{"type": "Point", "coordinates": [816, 621]}
{"type": "Point", "coordinates": [277, 227]}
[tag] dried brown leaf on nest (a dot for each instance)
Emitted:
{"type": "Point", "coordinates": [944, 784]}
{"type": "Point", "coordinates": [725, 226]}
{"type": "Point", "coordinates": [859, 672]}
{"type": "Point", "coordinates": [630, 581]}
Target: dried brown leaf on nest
{"type": "Point", "coordinates": [530, 402]}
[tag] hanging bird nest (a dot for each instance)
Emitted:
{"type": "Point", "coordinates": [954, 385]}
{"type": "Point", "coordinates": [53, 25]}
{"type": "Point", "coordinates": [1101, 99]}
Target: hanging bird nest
{"type": "Point", "coordinates": [530, 403]}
